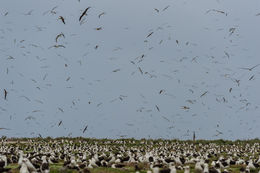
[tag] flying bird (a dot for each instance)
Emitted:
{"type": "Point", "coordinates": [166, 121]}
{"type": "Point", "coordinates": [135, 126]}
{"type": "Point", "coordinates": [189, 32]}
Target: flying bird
{"type": "Point", "coordinates": [140, 70]}
{"type": "Point", "coordinates": [149, 35]}
{"type": "Point", "coordinates": [60, 123]}
{"type": "Point", "coordinates": [58, 36]}
{"type": "Point", "coordinates": [99, 28]}
{"type": "Point", "coordinates": [161, 91]}
{"type": "Point", "coordinates": [116, 70]}
{"type": "Point", "coordinates": [57, 46]}
{"type": "Point", "coordinates": [101, 14]}
{"type": "Point", "coordinates": [251, 77]}
{"type": "Point", "coordinates": [185, 107]}
{"type": "Point", "coordinates": [5, 93]}
{"type": "Point", "coordinates": [61, 109]}
{"type": "Point", "coordinates": [204, 94]}
{"type": "Point", "coordinates": [158, 109]}
{"type": "Point", "coordinates": [166, 7]}
{"type": "Point", "coordinates": [218, 11]}
{"type": "Point", "coordinates": [85, 128]}
{"type": "Point", "coordinates": [62, 19]}
{"type": "Point", "coordinates": [84, 13]}
{"type": "Point", "coordinates": [231, 31]}
{"type": "Point", "coordinates": [156, 10]}
{"type": "Point", "coordinates": [3, 128]}
{"type": "Point", "coordinates": [250, 69]}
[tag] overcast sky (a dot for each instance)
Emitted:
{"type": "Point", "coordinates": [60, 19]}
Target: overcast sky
{"type": "Point", "coordinates": [188, 75]}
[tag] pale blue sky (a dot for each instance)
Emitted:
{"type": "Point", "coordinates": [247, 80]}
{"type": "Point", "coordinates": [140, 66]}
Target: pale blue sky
{"type": "Point", "coordinates": [39, 85]}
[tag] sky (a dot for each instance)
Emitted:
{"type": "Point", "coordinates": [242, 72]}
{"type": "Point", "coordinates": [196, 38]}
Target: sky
{"type": "Point", "coordinates": [153, 69]}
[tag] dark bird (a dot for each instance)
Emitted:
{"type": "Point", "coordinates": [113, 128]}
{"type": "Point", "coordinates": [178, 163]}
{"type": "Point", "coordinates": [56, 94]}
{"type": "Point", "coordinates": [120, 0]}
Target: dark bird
{"type": "Point", "coordinates": [140, 70]}
{"type": "Point", "coordinates": [29, 13]}
{"type": "Point", "coordinates": [61, 109]}
{"type": "Point", "coordinates": [57, 46]}
{"type": "Point", "coordinates": [85, 128]}
{"type": "Point", "coordinates": [149, 35]}
{"type": "Point", "coordinates": [230, 89]}
{"type": "Point", "coordinates": [251, 77]}
{"type": "Point", "coordinates": [60, 123]}
{"type": "Point", "coordinates": [96, 46]}
{"type": "Point", "coordinates": [166, 7]}
{"type": "Point", "coordinates": [231, 31]}
{"type": "Point", "coordinates": [99, 28]}
{"type": "Point", "coordinates": [157, 108]}
{"type": "Point", "coordinates": [161, 91]}
{"type": "Point", "coordinates": [185, 107]}
{"type": "Point", "coordinates": [5, 92]}
{"type": "Point", "coordinates": [218, 11]}
{"type": "Point", "coordinates": [116, 70]}
{"type": "Point", "coordinates": [226, 54]}
{"type": "Point", "coordinates": [58, 36]}
{"type": "Point", "coordinates": [250, 69]}
{"type": "Point", "coordinates": [101, 14]}
{"type": "Point", "coordinates": [62, 19]}
{"type": "Point", "coordinates": [156, 10]}
{"type": "Point", "coordinates": [3, 128]}
{"type": "Point", "coordinates": [84, 13]}
{"type": "Point", "coordinates": [204, 94]}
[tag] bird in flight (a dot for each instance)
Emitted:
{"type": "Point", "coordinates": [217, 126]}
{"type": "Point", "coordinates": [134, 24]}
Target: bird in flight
{"type": "Point", "coordinates": [101, 14]}
{"type": "Point", "coordinates": [204, 94]}
{"type": "Point", "coordinates": [85, 128]}
{"type": "Point", "coordinates": [251, 77]}
{"type": "Point", "coordinates": [161, 91]}
{"type": "Point", "coordinates": [250, 69]}
{"type": "Point", "coordinates": [2, 128]}
{"type": "Point", "coordinates": [5, 92]}
{"type": "Point", "coordinates": [57, 46]}
{"type": "Point", "coordinates": [60, 123]}
{"type": "Point", "coordinates": [218, 11]}
{"type": "Point", "coordinates": [156, 10]}
{"type": "Point", "coordinates": [99, 28]}
{"type": "Point", "coordinates": [62, 19]}
{"type": "Point", "coordinates": [84, 13]}
{"type": "Point", "coordinates": [185, 107]}
{"type": "Point", "coordinates": [149, 35]}
{"type": "Point", "coordinates": [158, 109]}
{"type": "Point", "coordinates": [166, 7]}
{"type": "Point", "coordinates": [58, 36]}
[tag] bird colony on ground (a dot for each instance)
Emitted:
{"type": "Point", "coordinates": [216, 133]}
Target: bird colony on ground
{"type": "Point", "coordinates": [128, 155]}
{"type": "Point", "coordinates": [134, 69]}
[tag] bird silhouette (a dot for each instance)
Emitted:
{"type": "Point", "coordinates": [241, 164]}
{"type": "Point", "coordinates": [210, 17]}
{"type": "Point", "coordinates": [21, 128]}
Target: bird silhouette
{"type": "Point", "coordinates": [5, 93]}
{"type": "Point", "coordinates": [156, 10]}
{"type": "Point", "coordinates": [149, 35]}
{"type": "Point", "coordinates": [99, 28]}
{"type": "Point", "coordinates": [84, 13]}
{"type": "Point", "coordinates": [58, 36]}
{"type": "Point", "coordinates": [85, 128]}
{"type": "Point", "coordinates": [250, 69]}
{"type": "Point", "coordinates": [166, 7]}
{"type": "Point", "coordinates": [101, 14]}
{"type": "Point", "coordinates": [62, 19]}
{"type": "Point", "coordinates": [60, 123]}
{"type": "Point", "coordinates": [204, 94]}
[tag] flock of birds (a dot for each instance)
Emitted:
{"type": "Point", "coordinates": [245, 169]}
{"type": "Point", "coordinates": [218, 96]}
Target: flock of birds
{"type": "Point", "coordinates": [196, 95]}
{"type": "Point", "coordinates": [151, 156]}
